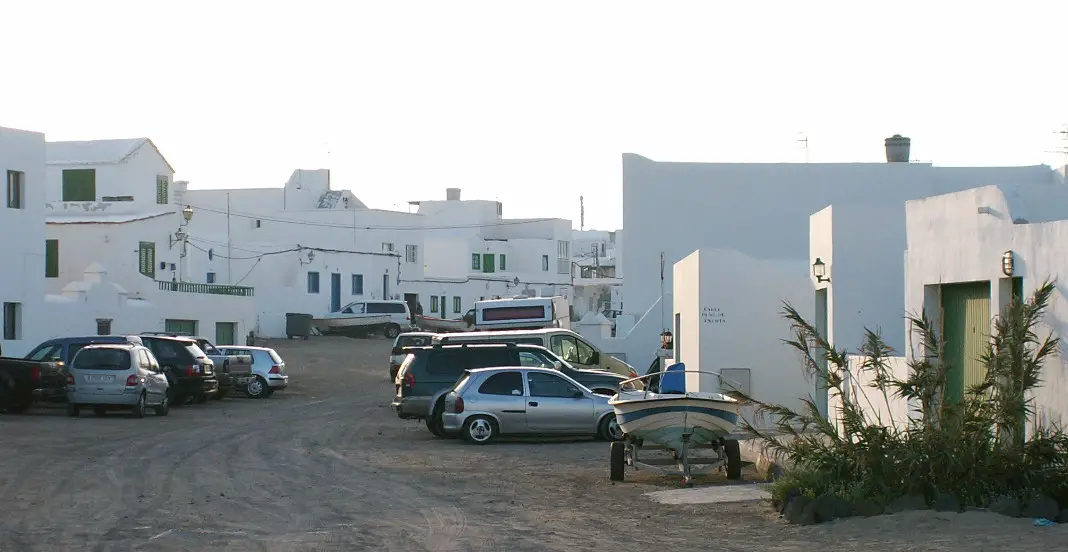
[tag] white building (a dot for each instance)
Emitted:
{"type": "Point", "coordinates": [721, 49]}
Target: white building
{"type": "Point", "coordinates": [598, 279]}
{"type": "Point", "coordinates": [114, 210]}
{"type": "Point", "coordinates": [22, 166]}
{"type": "Point", "coordinates": [761, 210]}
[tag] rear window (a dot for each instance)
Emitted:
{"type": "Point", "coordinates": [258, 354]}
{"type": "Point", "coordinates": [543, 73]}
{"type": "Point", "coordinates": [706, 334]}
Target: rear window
{"type": "Point", "coordinates": [102, 359]}
{"type": "Point", "coordinates": [171, 351]}
{"type": "Point", "coordinates": [274, 356]}
{"type": "Point", "coordinates": [413, 341]}
{"type": "Point", "coordinates": [447, 361]}
{"type": "Point", "coordinates": [385, 308]}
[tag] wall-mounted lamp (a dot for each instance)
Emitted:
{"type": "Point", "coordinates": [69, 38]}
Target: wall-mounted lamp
{"type": "Point", "coordinates": [178, 237]}
{"type": "Point", "coordinates": [1008, 263]}
{"type": "Point", "coordinates": [819, 270]}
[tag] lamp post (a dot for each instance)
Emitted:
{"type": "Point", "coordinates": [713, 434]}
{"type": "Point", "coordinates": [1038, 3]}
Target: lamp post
{"type": "Point", "coordinates": [819, 270]}
{"type": "Point", "coordinates": [182, 237]}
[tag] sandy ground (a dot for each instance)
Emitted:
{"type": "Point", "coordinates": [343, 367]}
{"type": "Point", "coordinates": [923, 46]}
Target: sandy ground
{"type": "Point", "coordinates": [326, 465]}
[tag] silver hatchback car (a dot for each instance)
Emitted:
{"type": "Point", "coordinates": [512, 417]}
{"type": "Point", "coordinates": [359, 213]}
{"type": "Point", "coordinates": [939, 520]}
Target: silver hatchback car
{"type": "Point", "coordinates": [489, 402]}
{"type": "Point", "coordinates": [116, 376]}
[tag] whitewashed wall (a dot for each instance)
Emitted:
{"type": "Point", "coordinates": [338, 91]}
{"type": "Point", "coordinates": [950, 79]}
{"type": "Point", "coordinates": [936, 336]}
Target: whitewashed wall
{"type": "Point", "coordinates": [761, 210]}
{"type": "Point", "coordinates": [22, 273]}
{"type": "Point", "coordinates": [961, 238]}
{"type": "Point", "coordinates": [733, 320]}
{"type": "Point", "coordinates": [75, 309]}
{"type": "Point", "coordinates": [136, 176]}
{"type": "Point", "coordinates": [879, 408]}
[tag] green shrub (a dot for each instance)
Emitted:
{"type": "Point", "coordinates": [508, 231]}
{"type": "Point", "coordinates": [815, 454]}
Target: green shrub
{"type": "Point", "coordinates": [974, 447]}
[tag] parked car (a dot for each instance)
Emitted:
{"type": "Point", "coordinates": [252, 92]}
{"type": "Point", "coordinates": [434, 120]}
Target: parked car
{"type": "Point", "coordinates": [234, 372]}
{"type": "Point", "coordinates": [268, 368]}
{"type": "Point", "coordinates": [190, 373]}
{"type": "Point", "coordinates": [360, 318]}
{"type": "Point", "coordinates": [403, 341]}
{"type": "Point", "coordinates": [490, 402]}
{"type": "Point", "coordinates": [116, 376]}
{"type": "Point", "coordinates": [23, 381]}
{"type": "Point", "coordinates": [428, 373]}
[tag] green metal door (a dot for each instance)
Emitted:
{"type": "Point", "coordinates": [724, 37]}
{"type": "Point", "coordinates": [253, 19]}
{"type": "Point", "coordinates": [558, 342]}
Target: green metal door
{"type": "Point", "coordinates": [173, 325]}
{"type": "Point", "coordinates": [225, 333]}
{"type": "Point", "coordinates": [966, 330]}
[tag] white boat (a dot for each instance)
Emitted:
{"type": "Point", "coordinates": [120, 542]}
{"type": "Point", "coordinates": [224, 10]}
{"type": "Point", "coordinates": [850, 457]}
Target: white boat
{"type": "Point", "coordinates": [431, 324]}
{"type": "Point", "coordinates": [668, 416]}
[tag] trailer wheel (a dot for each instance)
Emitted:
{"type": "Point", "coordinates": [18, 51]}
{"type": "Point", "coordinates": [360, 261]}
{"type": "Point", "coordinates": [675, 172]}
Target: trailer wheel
{"type": "Point", "coordinates": [733, 452]}
{"type": "Point", "coordinates": [615, 463]}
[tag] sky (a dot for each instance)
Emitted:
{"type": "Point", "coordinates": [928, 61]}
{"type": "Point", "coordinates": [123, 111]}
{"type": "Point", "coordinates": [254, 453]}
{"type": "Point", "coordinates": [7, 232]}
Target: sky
{"type": "Point", "coordinates": [533, 103]}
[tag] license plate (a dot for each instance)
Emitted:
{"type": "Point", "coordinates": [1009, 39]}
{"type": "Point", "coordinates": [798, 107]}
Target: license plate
{"type": "Point", "coordinates": [100, 379]}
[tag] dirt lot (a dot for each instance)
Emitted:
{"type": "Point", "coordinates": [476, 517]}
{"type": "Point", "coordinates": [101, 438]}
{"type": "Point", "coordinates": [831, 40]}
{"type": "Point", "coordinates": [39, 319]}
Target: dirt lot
{"type": "Point", "coordinates": [326, 465]}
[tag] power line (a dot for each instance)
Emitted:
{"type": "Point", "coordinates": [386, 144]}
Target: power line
{"type": "Point", "coordinates": [367, 227]}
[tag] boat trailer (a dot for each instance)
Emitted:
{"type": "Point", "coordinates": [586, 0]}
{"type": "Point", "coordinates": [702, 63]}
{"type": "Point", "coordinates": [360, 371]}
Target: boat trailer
{"type": "Point", "coordinates": [727, 458]}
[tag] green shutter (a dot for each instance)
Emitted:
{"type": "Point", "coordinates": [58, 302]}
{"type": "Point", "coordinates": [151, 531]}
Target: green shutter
{"type": "Point", "coordinates": [161, 189]}
{"type": "Point", "coordinates": [79, 185]}
{"type": "Point", "coordinates": [487, 262]}
{"type": "Point", "coordinates": [146, 259]}
{"type": "Point", "coordinates": [504, 264]}
{"type": "Point", "coordinates": [51, 258]}
{"type": "Point", "coordinates": [225, 333]}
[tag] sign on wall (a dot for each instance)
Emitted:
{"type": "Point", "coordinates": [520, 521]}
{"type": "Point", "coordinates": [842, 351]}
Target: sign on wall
{"type": "Point", "coordinates": [712, 315]}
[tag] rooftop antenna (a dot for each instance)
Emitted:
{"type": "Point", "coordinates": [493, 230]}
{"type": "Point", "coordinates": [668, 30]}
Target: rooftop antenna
{"type": "Point", "coordinates": [582, 214]}
{"type": "Point", "coordinates": [803, 140]}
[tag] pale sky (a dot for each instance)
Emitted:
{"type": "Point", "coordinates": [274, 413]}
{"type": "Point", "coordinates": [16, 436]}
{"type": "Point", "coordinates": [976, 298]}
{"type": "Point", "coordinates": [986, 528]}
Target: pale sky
{"type": "Point", "coordinates": [532, 103]}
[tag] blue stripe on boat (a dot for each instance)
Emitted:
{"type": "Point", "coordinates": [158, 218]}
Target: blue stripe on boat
{"type": "Point", "coordinates": [639, 414]}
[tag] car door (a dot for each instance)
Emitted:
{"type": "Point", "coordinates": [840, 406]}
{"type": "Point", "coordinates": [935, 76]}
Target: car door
{"type": "Point", "coordinates": [574, 351]}
{"type": "Point", "coordinates": [502, 395]}
{"type": "Point", "coordinates": [144, 373]}
{"type": "Point", "coordinates": [158, 376]}
{"type": "Point", "coordinates": [554, 405]}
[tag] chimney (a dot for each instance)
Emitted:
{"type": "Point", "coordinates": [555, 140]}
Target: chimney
{"type": "Point", "coordinates": [452, 194]}
{"type": "Point", "coordinates": [897, 149]}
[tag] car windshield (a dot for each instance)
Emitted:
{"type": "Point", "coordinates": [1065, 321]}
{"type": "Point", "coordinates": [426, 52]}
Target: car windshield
{"type": "Point", "coordinates": [102, 359]}
{"type": "Point", "coordinates": [413, 341]}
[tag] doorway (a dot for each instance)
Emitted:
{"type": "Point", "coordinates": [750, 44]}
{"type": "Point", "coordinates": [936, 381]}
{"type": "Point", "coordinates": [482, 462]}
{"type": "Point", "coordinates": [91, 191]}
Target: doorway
{"type": "Point", "coordinates": [335, 292]}
{"type": "Point", "coordinates": [819, 354]}
{"type": "Point", "coordinates": [966, 331]}
{"type": "Point", "coordinates": [413, 302]}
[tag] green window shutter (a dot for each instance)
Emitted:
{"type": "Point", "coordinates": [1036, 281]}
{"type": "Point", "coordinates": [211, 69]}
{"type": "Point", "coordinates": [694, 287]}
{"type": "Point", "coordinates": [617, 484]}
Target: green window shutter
{"type": "Point", "coordinates": [51, 258]}
{"type": "Point", "coordinates": [487, 263]}
{"type": "Point", "coordinates": [79, 185]}
{"type": "Point", "coordinates": [146, 259]}
{"type": "Point", "coordinates": [456, 304]}
{"type": "Point", "coordinates": [504, 264]}
{"type": "Point", "coordinates": [162, 182]}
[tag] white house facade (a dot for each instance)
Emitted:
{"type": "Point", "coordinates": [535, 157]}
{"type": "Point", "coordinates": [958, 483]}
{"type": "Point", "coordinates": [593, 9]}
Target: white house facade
{"type": "Point", "coordinates": [761, 210]}
{"type": "Point", "coordinates": [598, 278]}
{"type": "Point", "coordinates": [24, 318]}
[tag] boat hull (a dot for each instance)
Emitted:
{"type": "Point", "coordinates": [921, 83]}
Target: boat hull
{"type": "Point", "coordinates": [665, 420]}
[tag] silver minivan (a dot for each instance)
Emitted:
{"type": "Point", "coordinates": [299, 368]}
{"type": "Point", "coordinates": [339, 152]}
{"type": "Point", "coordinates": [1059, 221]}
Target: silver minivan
{"type": "Point", "coordinates": [116, 376]}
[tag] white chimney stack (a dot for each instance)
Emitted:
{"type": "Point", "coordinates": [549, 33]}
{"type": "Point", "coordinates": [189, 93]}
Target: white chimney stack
{"type": "Point", "coordinates": [452, 194]}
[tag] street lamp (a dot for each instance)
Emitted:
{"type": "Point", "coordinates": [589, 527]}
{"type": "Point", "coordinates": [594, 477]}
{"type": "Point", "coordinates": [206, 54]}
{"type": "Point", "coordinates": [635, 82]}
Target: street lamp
{"type": "Point", "coordinates": [187, 213]}
{"type": "Point", "coordinates": [819, 270]}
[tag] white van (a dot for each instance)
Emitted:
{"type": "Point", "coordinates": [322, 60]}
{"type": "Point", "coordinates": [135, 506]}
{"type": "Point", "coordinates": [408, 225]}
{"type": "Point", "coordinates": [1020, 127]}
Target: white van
{"type": "Point", "coordinates": [523, 313]}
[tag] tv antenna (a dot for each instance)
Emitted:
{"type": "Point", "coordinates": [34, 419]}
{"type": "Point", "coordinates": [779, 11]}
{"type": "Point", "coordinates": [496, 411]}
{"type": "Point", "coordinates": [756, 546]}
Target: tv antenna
{"type": "Point", "coordinates": [803, 141]}
{"type": "Point", "coordinates": [582, 214]}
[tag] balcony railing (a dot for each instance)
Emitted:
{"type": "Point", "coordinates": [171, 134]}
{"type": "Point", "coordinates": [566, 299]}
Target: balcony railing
{"type": "Point", "coordinates": [211, 289]}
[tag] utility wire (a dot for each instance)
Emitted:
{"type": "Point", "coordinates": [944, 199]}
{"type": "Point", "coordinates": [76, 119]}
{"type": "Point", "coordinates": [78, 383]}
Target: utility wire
{"type": "Point", "coordinates": [366, 227]}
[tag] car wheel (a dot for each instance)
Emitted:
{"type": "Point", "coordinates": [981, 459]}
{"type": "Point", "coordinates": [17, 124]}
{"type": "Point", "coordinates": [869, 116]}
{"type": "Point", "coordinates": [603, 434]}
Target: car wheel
{"type": "Point", "coordinates": [610, 430]}
{"type": "Point", "coordinates": [480, 430]}
{"type": "Point", "coordinates": [139, 408]}
{"type": "Point", "coordinates": [100, 411]}
{"type": "Point", "coordinates": [433, 423]}
{"type": "Point", "coordinates": [73, 410]}
{"type": "Point", "coordinates": [164, 407]}
{"type": "Point", "coordinates": [392, 331]}
{"type": "Point", "coordinates": [257, 388]}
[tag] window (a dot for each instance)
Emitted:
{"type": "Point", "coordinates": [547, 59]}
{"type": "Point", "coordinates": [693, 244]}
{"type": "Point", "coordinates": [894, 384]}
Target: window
{"type": "Point", "coordinates": [572, 350]}
{"type": "Point", "coordinates": [504, 265]}
{"type": "Point", "coordinates": [411, 253]}
{"type": "Point", "coordinates": [476, 261]}
{"type": "Point", "coordinates": [162, 183]}
{"type": "Point", "coordinates": [387, 247]}
{"type": "Point", "coordinates": [12, 321]}
{"type": "Point", "coordinates": [563, 257]}
{"type": "Point", "coordinates": [257, 223]}
{"type": "Point", "coordinates": [433, 303]}
{"type": "Point", "coordinates": [357, 284]}
{"type": "Point", "coordinates": [505, 383]}
{"type": "Point", "coordinates": [313, 282]}
{"type": "Point", "coordinates": [383, 307]}
{"type": "Point", "coordinates": [548, 385]}
{"type": "Point", "coordinates": [489, 357]}
{"type": "Point", "coordinates": [457, 304]}
{"type": "Point", "coordinates": [142, 356]}
{"type": "Point", "coordinates": [146, 259]}
{"type": "Point", "coordinates": [79, 185]}
{"type": "Point", "coordinates": [527, 358]}
{"type": "Point", "coordinates": [48, 353]}
{"type": "Point", "coordinates": [103, 326]}
{"type": "Point", "coordinates": [14, 189]}
{"type": "Point", "coordinates": [545, 263]}
{"type": "Point", "coordinates": [51, 258]}
{"type": "Point", "coordinates": [487, 263]}
{"type": "Point", "coordinates": [109, 358]}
